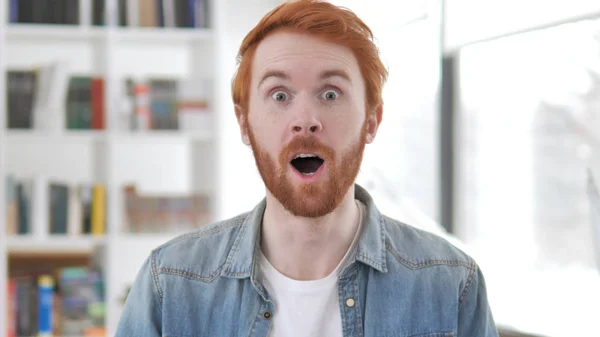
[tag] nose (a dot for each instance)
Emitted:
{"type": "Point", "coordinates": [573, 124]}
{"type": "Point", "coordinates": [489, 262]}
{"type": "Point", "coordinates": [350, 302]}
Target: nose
{"type": "Point", "coordinates": [306, 123]}
{"type": "Point", "coordinates": [308, 127]}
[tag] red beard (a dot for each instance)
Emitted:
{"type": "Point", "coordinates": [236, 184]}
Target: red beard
{"type": "Point", "coordinates": [310, 200]}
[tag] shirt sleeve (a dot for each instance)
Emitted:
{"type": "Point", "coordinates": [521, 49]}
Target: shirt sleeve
{"type": "Point", "coordinates": [475, 317]}
{"type": "Point", "coordinates": [142, 312]}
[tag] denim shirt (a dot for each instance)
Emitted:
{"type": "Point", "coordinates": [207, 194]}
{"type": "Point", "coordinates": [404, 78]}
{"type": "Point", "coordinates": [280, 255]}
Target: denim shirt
{"type": "Point", "coordinates": [401, 282]}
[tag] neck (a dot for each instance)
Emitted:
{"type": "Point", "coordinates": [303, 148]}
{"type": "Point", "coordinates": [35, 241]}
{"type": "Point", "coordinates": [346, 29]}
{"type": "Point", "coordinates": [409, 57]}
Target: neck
{"type": "Point", "coordinates": [308, 248]}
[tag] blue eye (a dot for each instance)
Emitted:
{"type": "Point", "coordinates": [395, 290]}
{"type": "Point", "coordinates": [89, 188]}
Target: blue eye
{"type": "Point", "coordinates": [330, 95]}
{"type": "Point", "coordinates": [280, 96]}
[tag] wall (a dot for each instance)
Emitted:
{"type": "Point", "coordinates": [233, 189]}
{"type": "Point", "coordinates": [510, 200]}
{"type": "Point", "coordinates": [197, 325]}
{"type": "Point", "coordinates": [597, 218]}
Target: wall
{"type": "Point", "coordinates": [468, 21]}
{"type": "Point", "coordinates": [239, 180]}
{"type": "Point", "coordinates": [401, 166]}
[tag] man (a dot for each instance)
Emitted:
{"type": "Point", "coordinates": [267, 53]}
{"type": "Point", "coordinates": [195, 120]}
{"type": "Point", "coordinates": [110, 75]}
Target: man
{"type": "Point", "coordinates": [315, 257]}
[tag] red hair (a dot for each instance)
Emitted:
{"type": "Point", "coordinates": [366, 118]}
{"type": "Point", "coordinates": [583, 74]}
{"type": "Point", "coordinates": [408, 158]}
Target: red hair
{"type": "Point", "coordinates": [321, 19]}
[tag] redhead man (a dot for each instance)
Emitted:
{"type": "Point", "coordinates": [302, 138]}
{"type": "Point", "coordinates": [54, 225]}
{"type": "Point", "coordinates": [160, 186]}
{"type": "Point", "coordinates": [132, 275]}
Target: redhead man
{"type": "Point", "coordinates": [315, 257]}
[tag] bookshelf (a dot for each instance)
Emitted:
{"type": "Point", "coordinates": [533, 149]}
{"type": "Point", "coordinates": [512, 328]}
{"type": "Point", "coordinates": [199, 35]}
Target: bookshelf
{"type": "Point", "coordinates": [59, 245]}
{"type": "Point", "coordinates": [3, 239]}
{"type": "Point", "coordinates": [26, 31]}
{"type": "Point", "coordinates": [199, 156]}
{"type": "Point", "coordinates": [154, 35]}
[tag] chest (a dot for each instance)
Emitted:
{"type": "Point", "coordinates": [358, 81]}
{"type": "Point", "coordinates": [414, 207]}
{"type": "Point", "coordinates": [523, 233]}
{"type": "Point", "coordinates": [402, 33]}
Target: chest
{"type": "Point", "coordinates": [361, 306]}
{"type": "Point", "coordinates": [305, 309]}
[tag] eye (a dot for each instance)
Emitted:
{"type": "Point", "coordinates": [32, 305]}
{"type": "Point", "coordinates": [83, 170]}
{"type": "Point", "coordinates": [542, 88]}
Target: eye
{"type": "Point", "coordinates": [330, 95]}
{"type": "Point", "coordinates": [280, 96]}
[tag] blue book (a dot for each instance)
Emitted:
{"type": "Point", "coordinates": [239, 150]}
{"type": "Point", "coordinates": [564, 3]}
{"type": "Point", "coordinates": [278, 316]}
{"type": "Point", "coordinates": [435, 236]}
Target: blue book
{"type": "Point", "coordinates": [14, 11]}
{"type": "Point", "coordinates": [45, 300]}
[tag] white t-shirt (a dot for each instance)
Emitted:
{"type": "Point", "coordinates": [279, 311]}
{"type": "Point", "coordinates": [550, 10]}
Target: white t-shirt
{"type": "Point", "coordinates": [306, 308]}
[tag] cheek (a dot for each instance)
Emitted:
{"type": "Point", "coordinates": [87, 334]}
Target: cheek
{"type": "Point", "coordinates": [265, 137]}
{"type": "Point", "coordinates": [268, 126]}
{"type": "Point", "coordinates": [346, 126]}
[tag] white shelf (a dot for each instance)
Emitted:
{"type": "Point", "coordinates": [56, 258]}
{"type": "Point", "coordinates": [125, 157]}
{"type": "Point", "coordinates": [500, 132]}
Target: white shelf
{"type": "Point", "coordinates": [161, 135]}
{"type": "Point", "coordinates": [17, 136]}
{"type": "Point", "coordinates": [162, 35]}
{"type": "Point", "coordinates": [20, 136]}
{"type": "Point", "coordinates": [122, 34]}
{"type": "Point", "coordinates": [53, 244]}
{"type": "Point", "coordinates": [48, 31]}
{"type": "Point", "coordinates": [63, 244]}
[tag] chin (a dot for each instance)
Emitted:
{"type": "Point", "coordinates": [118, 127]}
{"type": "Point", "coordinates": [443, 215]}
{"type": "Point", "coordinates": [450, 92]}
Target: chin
{"type": "Point", "coordinates": [310, 211]}
{"type": "Point", "coordinates": [309, 200]}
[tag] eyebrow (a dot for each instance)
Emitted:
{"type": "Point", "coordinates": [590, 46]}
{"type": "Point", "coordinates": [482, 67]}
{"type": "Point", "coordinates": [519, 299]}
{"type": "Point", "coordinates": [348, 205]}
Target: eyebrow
{"type": "Point", "coordinates": [274, 73]}
{"type": "Point", "coordinates": [323, 76]}
{"type": "Point", "coordinates": [335, 73]}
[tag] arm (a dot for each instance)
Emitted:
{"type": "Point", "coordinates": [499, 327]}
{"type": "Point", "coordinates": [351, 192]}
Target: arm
{"type": "Point", "coordinates": [474, 314]}
{"type": "Point", "coordinates": [142, 314]}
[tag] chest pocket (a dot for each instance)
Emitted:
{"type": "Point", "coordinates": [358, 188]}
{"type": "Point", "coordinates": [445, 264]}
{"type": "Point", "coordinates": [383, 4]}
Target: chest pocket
{"type": "Point", "coordinates": [436, 334]}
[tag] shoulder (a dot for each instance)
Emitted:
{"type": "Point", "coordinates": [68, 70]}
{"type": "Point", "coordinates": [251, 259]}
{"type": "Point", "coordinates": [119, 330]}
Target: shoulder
{"type": "Point", "coordinates": [416, 248]}
{"type": "Point", "coordinates": [199, 254]}
{"type": "Point", "coordinates": [422, 253]}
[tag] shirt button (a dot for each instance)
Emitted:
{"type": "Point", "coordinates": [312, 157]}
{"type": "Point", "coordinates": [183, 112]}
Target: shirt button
{"type": "Point", "coordinates": [267, 315]}
{"type": "Point", "coordinates": [350, 303]}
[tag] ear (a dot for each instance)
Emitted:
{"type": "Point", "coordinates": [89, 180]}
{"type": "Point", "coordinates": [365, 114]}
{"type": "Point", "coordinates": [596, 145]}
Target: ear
{"type": "Point", "coordinates": [373, 122]}
{"type": "Point", "coordinates": [242, 119]}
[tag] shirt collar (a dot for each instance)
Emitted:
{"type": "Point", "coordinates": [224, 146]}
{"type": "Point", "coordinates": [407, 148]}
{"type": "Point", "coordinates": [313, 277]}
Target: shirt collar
{"type": "Point", "coordinates": [241, 261]}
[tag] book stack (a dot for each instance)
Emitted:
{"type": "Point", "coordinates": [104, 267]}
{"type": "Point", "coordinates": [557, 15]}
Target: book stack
{"type": "Point", "coordinates": [40, 206]}
{"type": "Point", "coordinates": [167, 104]}
{"type": "Point", "coordinates": [65, 12]}
{"type": "Point", "coordinates": [50, 98]}
{"type": "Point", "coordinates": [132, 13]}
{"type": "Point", "coordinates": [64, 301]}
{"type": "Point", "coordinates": [163, 13]}
{"type": "Point", "coordinates": [164, 213]}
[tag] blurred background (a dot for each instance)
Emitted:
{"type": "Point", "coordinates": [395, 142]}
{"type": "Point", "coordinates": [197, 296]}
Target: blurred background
{"type": "Point", "coordinates": [117, 133]}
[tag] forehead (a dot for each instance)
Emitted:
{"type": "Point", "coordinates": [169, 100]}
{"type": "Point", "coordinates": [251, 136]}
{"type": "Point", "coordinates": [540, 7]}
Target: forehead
{"type": "Point", "coordinates": [301, 55]}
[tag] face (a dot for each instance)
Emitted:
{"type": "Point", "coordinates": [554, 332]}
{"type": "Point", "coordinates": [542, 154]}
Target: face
{"type": "Point", "coordinates": [306, 121]}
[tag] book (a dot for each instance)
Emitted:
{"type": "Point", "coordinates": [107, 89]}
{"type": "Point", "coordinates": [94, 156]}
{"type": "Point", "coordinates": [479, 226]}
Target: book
{"type": "Point", "coordinates": [38, 206]}
{"type": "Point", "coordinates": [51, 93]}
{"type": "Point", "coordinates": [45, 305]}
{"type": "Point", "coordinates": [63, 300]}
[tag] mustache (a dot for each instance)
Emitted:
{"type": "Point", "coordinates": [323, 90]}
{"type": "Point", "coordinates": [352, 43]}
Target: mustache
{"type": "Point", "coordinates": [305, 145]}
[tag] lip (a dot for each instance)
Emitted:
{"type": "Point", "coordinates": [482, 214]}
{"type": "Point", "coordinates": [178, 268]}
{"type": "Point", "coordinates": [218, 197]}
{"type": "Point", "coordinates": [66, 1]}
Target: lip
{"type": "Point", "coordinates": [307, 152]}
{"type": "Point", "coordinates": [308, 179]}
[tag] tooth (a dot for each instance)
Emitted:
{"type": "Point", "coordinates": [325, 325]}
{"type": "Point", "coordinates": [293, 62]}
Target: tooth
{"type": "Point", "coordinates": [305, 155]}
{"type": "Point", "coordinates": [308, 174]}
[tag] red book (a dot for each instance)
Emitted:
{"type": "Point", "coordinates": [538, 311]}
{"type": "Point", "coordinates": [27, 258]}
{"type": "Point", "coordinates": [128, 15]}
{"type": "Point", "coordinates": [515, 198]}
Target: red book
{"type": "Point", "coordinates": [12, 309]}
{"type": "Point", "coordinates": [98, 113]}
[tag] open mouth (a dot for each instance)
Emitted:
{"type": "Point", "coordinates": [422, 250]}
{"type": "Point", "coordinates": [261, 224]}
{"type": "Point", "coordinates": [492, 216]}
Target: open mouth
{"type": "Point", "coordinates": [307, 163]}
